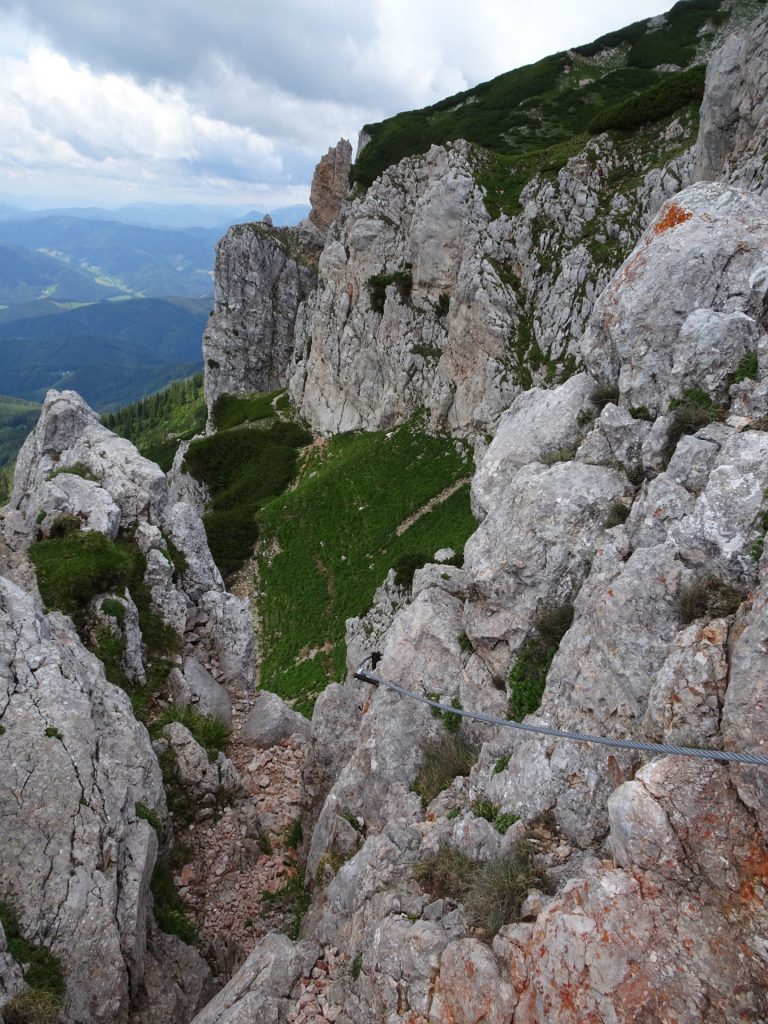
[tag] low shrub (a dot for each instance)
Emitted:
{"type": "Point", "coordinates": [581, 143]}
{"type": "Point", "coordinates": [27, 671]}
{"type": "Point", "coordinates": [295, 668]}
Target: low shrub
{"type": "Point", "coordinates": [708, 597]}
{"type": "Point", "coordinates": [293, 899]}
{"type": "Point", "coordinates": [73, 569]}
{"type": "Point", "coordinates": [32, 1007]}
{"type": "Point", "coordinates": [617, 514]}
{"type": "Point", "coordinates": [602, 394]}
{"type": "Point", "coordinates": [294, 835]}
{"type": "Point", "coordinates": [441, 764]}
{"type": "Point", "coordinates": [746, 370]}
{"type": "Point", "coordinates": [492, 891]}
{"type": "Point", "coordinates": [694, 410]}
{"type": "Point", "coordinates": [170, 911]}
{"type": "Point", "coordinates": [529, 673]}
{"type": "Point", "coordinates": [671, 94]}
{"type": "Point", "coordinates": [42, 973]}
{"type": "Point", "coordinates": [405, 567]}
{"type": "Point", "coordinates": [232, 410]}
{"type": "Point", "coordinates": [378, 284]}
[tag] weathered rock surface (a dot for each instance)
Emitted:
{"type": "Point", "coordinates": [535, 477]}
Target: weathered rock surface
{"type": "Point", "coordinates": [195, 687]}
{"type": "Point", "coordinates": [330, 184]}
{"type": "Point", "coordinates": [733, 139]}
{"type": "Point", "coordinates": [271, 720]}
{"type": "Point", "coordinates": [262, 275]}
{"type": "Point", "coordinates": [424, 301]}
{"type": "Point", "coordinates": [659, 328]}
{"type": "Point", "coordinates": [11, 974]}
{"type": "Point", "coordinates": [259, 992]}
{"type": "Point", "coordinates": [75, 860]}
{"type": "Point", "coordinates": [70, 465]}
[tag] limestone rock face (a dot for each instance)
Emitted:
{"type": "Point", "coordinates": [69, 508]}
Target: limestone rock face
{"type": "Point", "coordinates": [622, 518]}
{"type": "Point", "coordinates": [659, 328]}
{"type": "Point", "coordinates": [330, 184]}
{"type": "Point", "coordinates": [270, 721]}
{"type": "Point", "coordinates": [426, 301]}
{"type": "Point", "coordinates": [258, 993]}
{"type": "Point", "coordinates": [262, 275]}
{"type": "Point", "coordinates": [75, 860]}
{"type": "Point", "coordinates": [733, 138]}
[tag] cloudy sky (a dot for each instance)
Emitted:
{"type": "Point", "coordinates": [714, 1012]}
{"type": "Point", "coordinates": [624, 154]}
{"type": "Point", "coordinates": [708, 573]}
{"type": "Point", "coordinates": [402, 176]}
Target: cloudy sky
{"type": "Point", "coordinates": [104, 102]}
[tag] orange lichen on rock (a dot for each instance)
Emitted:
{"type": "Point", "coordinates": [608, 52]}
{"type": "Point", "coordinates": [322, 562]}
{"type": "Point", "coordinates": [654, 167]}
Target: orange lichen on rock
{"type": "Point", "coordinates": [675, 215]}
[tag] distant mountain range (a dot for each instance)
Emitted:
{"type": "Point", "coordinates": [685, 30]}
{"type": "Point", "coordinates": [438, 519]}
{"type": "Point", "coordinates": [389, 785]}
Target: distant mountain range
{"type": "Point", "coordinates": [111, 352]}
{"type": "Point", "coordinates": [159, 215]}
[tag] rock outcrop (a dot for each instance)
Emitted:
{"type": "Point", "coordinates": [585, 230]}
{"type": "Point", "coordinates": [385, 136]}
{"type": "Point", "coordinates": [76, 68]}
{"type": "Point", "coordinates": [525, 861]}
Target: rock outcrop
{"type": "Point", "coordinates": [262, 276]}
{"type": "Point", "coordinates": [733, 141]}
{"type": "Point", "coordinates": [76, 859]}
{"type": "Point", "coordinates": [330, 184]}
{"type": "Point", "coordinates": [72, 469]}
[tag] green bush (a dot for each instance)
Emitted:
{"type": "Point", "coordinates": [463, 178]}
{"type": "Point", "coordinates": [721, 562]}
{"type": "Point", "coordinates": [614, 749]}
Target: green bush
{"type": "Point", "coordinates": [694, 410]}
{"type": "Point", "coordinates": [529, 673]}
{"type": "Point", "coordinates": [293, 899]}
{"type": "Point", "coordinates": [232, 410]}
{"type": "Point", "coordinates": [42, 972]}
{"type": "Point", "coordinates": [673, 92]}
{"type": "Point", "coordinates": [169, 908]}
{"type": "Point", "coordinates": [32, 1007]}
{"type": "Point", "coordinates": [441, 764]}
{"type": "Point", "coordinates": [243, 469]}
{"type": "Point", "coordinates": [378, 284]}
{"type": "Point", "coordinates": [747, 368]}
{"type": "Point", "coordinates": [406, 565]}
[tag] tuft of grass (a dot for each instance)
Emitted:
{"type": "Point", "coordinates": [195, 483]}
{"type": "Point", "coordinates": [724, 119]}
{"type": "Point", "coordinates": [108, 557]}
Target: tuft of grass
{"type": "Point", "coordinates": [492, 891]}
{"type": "Point", "coordinates": [356, 966]}
{"type": "Point", "coordinates": [640, 412]}
{"type": "Point", "coordinates": [72, 570]}
{"type": "Point", "coordinates": [502, 763]}
{"type": "Point", "coordinates": [708, 597]}
{"type": "Point", "coordinates": [146, 814]}
{"type": "Point", "coordinates": [465, 644]}
{"type": "Point", "coordinates": [378, 284]}
{"type": "Point", "coordinates": [617, 514]}
{"type": "Point", "coordinates": [294, 835]}
{"type": "Point", "coordinates": [602, 394]}
{"type": "Point", "coordinates": [53, 733]}
{"type": "Point", "coordinates": [42, 973]}
{"type": "Point", "coordinates": [488, 810]}
{"type": "Point", "coordinates": [406, 566]}
{"type": "Point", "coordinates": [32, 1007]}
{"type": "Point", "coordinates": [559, 455]}
{"type": "Point", "coordinates": [529, 673]}
{"type": "Point", "coordinates": [294, 899]}
{"type": "Point", "coordinates": [694, 410]}
{"type": "Point", "coordinates": [211, 733]}
{"type": "Point", "coordinates": [442, 763]}
{"type": "Point", "coordinates": [746, 370]}
{"type": "Point", "coordinates": [170, 912]}
{"type": "Point", "coordinates": [77, 469]}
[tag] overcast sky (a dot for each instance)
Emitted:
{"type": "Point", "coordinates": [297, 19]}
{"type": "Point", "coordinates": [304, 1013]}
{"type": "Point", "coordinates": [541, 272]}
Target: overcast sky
{"type": "Point", "coordinates": [105, 102]}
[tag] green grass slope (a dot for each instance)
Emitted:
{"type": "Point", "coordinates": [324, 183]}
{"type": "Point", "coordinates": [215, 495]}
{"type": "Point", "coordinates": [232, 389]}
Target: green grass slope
{"type": "Point", "coordinates": [326, 545]}
{"type": "Point", "coordinates": [558, 101]}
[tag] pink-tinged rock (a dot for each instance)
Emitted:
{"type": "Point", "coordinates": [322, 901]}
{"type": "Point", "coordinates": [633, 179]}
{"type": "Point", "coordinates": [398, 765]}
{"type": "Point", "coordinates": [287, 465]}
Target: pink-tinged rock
{"type": "Point", "coordinates": [469, 988]}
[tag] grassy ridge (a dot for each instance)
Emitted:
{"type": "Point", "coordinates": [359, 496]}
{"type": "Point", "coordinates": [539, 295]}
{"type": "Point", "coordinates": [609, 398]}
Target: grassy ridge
{"type": "Point", "coordinates": [552, 102]}
{"type": "Point", "coordinates": [336, 537]}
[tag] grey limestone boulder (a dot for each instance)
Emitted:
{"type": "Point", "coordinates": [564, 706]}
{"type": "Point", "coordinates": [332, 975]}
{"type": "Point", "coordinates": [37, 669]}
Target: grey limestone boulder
{"type": "Point", "coordinates": [259, 992]}
{"type": "Point", "coordinates": [658, 327]}
{"type": "Point", "coordinates": [270, 721]}
{"type": "Point", "coordinates": [194, 686]}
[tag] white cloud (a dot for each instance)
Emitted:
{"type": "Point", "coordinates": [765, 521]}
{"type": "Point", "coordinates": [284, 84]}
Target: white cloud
{"type": "Point", "coordinates": [180, 97]}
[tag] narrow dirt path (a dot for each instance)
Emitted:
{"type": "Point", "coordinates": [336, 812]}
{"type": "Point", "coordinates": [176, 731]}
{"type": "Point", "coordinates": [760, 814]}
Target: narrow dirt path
{"type": "Point", "coordinates": [438, 499]}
